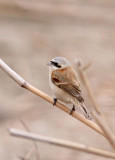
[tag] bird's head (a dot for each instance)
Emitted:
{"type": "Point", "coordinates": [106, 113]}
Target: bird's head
{"type": "Point", "coordinates": [58, 63]}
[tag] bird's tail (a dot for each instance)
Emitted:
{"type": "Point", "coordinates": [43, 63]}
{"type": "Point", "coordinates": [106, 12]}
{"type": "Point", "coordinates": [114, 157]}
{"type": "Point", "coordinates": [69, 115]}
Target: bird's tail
{"type": "Point", "coordinates": [86, 112]}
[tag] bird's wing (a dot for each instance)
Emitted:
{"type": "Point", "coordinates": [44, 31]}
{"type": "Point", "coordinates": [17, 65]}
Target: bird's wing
{"type": "Point", "coordinates": [68, 83]}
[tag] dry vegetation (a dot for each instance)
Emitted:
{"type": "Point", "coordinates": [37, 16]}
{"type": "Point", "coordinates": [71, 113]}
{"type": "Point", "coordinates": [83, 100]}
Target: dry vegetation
{"type": "Point", "coordinates": [32, 33]}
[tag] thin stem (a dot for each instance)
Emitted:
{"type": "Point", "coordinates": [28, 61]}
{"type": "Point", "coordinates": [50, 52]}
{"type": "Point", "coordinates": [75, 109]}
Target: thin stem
{"type": "Point", "coordinates": [62, 143]}
{"type": "Point", "coordinates": [106, 129]}
{"type": "Point", "coordinates": [86, 66]}
{"type": "Point", "coordinates": [98, 115]}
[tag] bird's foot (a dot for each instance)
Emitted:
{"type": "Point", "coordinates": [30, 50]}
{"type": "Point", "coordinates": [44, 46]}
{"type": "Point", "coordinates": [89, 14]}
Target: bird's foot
{"type": "Point", "coordinates": [86, 112]}
{"type": "Point", "coordinates": [54, 102]}
{"type": "Point", "coordinates": [73, 109]}
{"type": "Point", "coordinates": [88, 116]}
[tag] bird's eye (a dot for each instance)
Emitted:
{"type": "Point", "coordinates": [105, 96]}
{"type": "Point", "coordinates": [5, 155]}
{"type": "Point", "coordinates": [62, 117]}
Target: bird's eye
{"type": "Point", "coordinates": [56, 64]}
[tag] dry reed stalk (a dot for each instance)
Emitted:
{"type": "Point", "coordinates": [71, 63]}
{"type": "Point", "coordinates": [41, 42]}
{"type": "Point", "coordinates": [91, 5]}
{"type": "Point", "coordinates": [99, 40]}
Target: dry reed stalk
{"type": "Point", "coordinates": [102, 123]}
{"type": "Point", "coordinates": [97, 114]}
{"type": "Point", "coordinates": [43, 95]}
{"type": "Point", "coordinates": [62, 143]}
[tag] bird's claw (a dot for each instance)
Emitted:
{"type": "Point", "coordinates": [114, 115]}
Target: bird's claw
{"type": "Point", "coordinates": [73, 109]}
{"type": "Point", "coordinates": [54, 102]}
{"type": "Point", "coordinates": [88, 116]}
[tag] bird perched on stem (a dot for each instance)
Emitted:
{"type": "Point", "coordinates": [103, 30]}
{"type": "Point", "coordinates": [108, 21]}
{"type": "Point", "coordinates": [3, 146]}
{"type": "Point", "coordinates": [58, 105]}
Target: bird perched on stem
{"type": "Point", "coordinates": [65, 84]}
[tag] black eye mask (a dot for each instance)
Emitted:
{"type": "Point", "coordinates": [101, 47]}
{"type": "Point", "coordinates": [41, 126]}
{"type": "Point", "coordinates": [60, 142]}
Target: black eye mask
{"type": "Point", "coordinates": [55, 64]}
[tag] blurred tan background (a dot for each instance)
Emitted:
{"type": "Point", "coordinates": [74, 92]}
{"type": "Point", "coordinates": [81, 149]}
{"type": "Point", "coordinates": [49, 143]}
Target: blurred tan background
{"type": "Point", "coordinates": [32, 33]}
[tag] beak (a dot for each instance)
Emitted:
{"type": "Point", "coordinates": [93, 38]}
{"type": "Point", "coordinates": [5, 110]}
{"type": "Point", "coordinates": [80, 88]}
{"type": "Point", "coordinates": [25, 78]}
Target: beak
{"type": "Point", "coordinates": [49, 63]}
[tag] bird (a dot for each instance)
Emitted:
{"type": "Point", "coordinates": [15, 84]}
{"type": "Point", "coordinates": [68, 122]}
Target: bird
{"type": "Point", "coordinates": [65, 84]}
